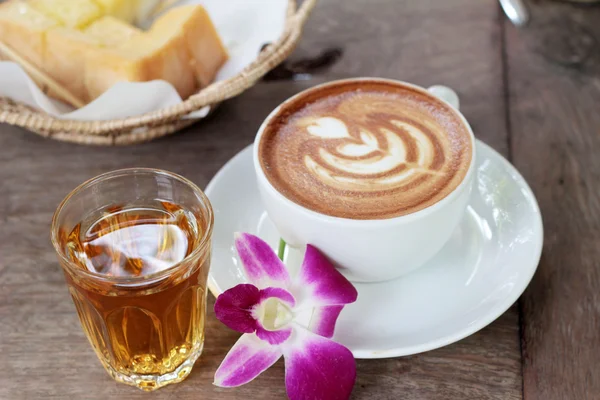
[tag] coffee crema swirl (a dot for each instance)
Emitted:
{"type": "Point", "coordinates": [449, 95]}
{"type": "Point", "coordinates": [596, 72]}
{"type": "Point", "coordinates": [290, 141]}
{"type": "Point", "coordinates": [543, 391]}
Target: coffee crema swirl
{"type": "Point", "coordinates": [369, 150]}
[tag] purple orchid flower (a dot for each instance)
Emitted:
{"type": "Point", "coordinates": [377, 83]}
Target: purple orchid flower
{"type": "Point", "coordinates": [269, 312]}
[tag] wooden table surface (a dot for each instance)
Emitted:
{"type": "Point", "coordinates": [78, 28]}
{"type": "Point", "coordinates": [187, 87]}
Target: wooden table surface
{"type": "Point", "coordinates": [532, 93]}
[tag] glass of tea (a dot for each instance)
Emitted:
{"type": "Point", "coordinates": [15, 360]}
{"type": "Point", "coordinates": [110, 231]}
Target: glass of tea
{"type": "Point", "coordinates": [134, 246]}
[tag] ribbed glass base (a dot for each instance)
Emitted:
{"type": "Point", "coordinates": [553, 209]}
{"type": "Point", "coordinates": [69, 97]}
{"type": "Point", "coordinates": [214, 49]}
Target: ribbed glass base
{"type": "Point", "coordinates": [152, 382]}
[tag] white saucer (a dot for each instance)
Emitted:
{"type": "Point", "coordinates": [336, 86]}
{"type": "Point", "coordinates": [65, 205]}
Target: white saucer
{"type": "Point", "coordinates": [475, 278]}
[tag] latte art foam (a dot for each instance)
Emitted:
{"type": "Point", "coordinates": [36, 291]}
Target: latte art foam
{"type": "Point", "coordinates": [369, 152]}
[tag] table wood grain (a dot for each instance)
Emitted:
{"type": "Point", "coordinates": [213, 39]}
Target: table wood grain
{"type": "Point", "coordinates": [553, 88]}
{"type": "Point", "coordinates": [532, 94]}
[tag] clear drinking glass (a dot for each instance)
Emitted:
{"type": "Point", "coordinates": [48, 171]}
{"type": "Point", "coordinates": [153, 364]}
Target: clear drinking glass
{"type": "Point", "coordinates": [134, 246]}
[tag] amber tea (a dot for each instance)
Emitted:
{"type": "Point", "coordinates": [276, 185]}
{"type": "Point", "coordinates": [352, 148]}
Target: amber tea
{"type": "Point", "coordinates": [139, 287]}
{"type": "Point", "coordinates": [133, 241]}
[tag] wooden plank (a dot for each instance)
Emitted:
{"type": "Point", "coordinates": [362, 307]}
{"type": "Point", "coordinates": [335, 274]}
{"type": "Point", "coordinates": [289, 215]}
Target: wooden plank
{"type": "Point", "coordinates": [554, 94]}
{"type": "Point", "coordinates": [43, 352]}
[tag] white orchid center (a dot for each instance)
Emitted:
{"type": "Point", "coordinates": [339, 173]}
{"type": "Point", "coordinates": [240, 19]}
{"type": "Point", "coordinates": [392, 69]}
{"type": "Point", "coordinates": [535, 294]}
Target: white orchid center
{"type": "Point", "coordinates": [273, 314]}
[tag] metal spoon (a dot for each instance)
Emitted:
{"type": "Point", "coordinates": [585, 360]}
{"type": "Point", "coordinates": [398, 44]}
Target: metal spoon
{"type": "Point", "coordinates": [516, 11]}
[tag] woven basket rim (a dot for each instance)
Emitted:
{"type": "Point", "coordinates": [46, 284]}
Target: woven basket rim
{"type": "Point", "coordinates": [169, 119]}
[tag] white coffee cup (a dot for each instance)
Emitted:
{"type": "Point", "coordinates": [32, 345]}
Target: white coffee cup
{"type": "Point", "coordinates": [369, 250]}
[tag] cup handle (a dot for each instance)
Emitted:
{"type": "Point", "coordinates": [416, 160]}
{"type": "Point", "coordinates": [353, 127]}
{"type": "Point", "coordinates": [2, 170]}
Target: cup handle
{"type": "Point", "coordinates": [446, 94]}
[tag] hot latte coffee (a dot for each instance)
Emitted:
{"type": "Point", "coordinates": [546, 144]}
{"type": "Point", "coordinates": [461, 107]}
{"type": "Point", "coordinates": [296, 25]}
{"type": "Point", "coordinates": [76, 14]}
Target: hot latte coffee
{"type": "Point", "coordinates": [365, 150]}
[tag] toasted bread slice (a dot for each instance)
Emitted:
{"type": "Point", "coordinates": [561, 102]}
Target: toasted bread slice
{"type": "Point", "coordinates": [125, 10]}
{"type": "Point", "coordinates": [111, 32]}
{"type": "Point", "coordinates": [144, 57]}
{"type": "Point", "coordinates": [70, 13]}
{"type": "Point", "coordinates": [89, 45]}
{"type": "Point", "coordinates": [70, 52]}
{"type": "Point", "coordinates": [201, 38]}
{"type": "Point", "coordinates": [23, 29]}
{"type": "Point", "coordinates": [65, 55]}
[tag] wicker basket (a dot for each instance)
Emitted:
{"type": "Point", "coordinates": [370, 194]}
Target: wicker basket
{"type": "Point", "coordinates": [155, 124]}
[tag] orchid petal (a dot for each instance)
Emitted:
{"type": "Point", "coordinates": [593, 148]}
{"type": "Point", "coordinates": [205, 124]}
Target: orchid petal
{"type": "Point", "coordinates": [274, 337]}
{"type": "Point", "coordinates": [323, 320]}
{"type": "Point", "coordinates": [317, 368]}
{"type": "Point", "coordinates": [320, 284]}
{"type": "Point", "coordinates": [234, 307]}
{"type": "Point", "coordinates": [260, 262]}
{"type": "Point", "coordinates": [279, 293]}
{"type": "Point", "coordinates": [247, 359]}
{"type": "Point", "coordinates": [273, 315]}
